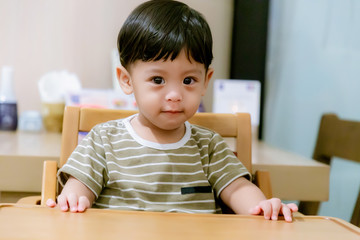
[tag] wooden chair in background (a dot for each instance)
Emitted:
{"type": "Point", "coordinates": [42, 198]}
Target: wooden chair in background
{"type": "Point", "coordinates": [336, 138]}
{"type": "Point", "coordinates": [77, 120]}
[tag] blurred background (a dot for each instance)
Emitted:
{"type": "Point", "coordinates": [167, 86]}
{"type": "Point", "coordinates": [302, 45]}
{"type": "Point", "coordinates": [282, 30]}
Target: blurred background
{"type": "Point", "coordinates": [40, 36]}
{"type": "Point", "coordinates": [308, 57]}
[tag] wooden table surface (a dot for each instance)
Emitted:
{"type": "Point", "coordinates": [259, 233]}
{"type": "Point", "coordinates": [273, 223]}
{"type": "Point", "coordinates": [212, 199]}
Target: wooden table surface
{"type": "Point", "coordinates": [293, 177]}
{"type": "Point", "coordinates": [26, 222]}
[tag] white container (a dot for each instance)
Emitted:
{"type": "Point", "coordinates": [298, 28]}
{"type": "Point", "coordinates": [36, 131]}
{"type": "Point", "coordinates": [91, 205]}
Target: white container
{"type": "Point", "coordinates": [30, 121]}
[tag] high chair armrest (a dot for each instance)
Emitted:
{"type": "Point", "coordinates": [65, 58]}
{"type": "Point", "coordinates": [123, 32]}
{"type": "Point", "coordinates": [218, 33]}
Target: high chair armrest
{"type": "Point", "coordinates": [49, 181]}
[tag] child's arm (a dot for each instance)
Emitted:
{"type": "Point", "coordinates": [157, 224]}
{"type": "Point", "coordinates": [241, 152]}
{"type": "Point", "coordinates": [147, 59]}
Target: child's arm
{"type": "Point", "coordinates": [75, 196]}
{"type": "Point", "coordinates": [243, 197]}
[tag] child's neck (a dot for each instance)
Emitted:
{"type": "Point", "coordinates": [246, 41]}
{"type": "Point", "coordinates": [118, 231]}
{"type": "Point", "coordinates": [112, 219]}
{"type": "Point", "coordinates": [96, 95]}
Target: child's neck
{"type": "Point", "coordinates": [154, 134]}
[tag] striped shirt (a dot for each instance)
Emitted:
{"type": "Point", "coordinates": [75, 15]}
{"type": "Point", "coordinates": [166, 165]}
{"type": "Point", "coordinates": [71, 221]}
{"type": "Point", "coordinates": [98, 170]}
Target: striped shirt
{"type": "Point", "coordinates": [125, 171]}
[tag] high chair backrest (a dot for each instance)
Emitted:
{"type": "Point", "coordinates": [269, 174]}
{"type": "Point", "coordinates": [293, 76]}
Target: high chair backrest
{"type": "Point", "coordinates": [78, 119]}
{"type": "Point", "coordinates": [336, 138]}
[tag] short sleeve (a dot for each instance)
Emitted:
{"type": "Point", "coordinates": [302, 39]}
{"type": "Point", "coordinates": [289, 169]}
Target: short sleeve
{"type": "Point", "coordinates": [224, 166]}
{"type": "Point", "coordinates": [87, 163]}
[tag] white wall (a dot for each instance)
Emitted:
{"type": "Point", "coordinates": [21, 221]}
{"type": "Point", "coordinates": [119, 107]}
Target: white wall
{"type": "Point", "coordinates": [39, 36]}
{"type": "Point", "coordinates": [313, 67]}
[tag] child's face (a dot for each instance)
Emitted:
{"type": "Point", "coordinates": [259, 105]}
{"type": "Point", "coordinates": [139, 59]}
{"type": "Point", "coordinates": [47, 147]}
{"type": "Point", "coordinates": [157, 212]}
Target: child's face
{"type": "Point", "coordinates": [167, 92]}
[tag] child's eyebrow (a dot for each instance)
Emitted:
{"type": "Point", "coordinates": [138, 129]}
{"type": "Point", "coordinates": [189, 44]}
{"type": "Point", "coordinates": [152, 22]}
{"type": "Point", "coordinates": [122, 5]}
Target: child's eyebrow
{"type": "Point", "coordinates": [159, 70]}
{"type": "Point", "coordinates": [194, 71]}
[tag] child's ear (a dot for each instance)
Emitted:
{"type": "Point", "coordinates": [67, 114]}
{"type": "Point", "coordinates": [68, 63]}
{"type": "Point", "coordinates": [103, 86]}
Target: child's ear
{"type": "Point", "coordinates": [124, 79]}
{"type": "Point", "coordinates": [208, 76]}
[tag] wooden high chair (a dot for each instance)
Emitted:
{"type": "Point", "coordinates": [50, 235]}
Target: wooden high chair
{"type": "Point", "coordinates": [336, 138]}
{"type": "Point", "coordinates": [78, 120]}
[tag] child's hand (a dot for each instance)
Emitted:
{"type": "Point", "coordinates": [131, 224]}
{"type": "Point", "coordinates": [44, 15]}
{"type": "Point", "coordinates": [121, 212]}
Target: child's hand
{"type": "Point", "coordinates": [272, 208]}
{"type": "Point", "coordinates": [72, 202]}
{"type": "Point", "coordinates": [74, 196]}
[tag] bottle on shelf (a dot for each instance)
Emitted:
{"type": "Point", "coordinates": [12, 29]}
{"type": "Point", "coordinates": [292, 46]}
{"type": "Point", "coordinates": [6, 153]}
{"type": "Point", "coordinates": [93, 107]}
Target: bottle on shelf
{"type": "Point", "coordinates": [8, 103]}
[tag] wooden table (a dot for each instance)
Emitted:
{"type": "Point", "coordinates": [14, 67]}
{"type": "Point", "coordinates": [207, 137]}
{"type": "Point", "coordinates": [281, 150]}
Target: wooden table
{"type": "Point", "coordinates": [21, 159]}
{"type": "Point", "coordinates": [26, 222]}
{"type": "Point", "coordinates": [293, 177]}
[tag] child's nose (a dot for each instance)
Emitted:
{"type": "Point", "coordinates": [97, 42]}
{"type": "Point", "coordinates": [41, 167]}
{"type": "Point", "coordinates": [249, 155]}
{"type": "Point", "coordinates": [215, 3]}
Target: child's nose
{"type": "Point", "coordinates": [173, 95]}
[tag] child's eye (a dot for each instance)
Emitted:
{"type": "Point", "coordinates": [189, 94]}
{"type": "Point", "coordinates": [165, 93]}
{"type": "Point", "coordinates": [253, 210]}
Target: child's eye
{"type": "Point", "coordinates": [188, 81]}
{"type": "Point", "coordinates": [158, 80]}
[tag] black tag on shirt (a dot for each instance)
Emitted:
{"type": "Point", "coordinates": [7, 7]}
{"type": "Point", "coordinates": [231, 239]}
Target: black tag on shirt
{"type": "Point", "coordinates": [199, 189]}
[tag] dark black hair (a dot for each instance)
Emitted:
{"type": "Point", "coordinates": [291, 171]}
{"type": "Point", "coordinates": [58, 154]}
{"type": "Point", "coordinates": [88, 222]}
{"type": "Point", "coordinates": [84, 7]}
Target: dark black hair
{"type": "Point", "coordinates": [160, 29]}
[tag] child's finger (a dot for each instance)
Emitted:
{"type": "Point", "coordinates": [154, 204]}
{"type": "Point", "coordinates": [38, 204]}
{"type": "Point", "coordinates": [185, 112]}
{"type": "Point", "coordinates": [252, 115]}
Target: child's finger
{"type": "Point", "coordinates": [50, 203]}
{"type": "Point", "coordinates": [255, 210]}
{"type": "Point", "coordinates": [84, 203]}
{"type": "Point", "coordinates": [266, 208]}
{"type": "Point", "coordinates": [293, 207]}
{"type": "Point", "coordinates": [276, 206]}
{"type": "Point", "coordinates": [73, 202]}
{"type": "Point", "coordinates": [62, 202]}
{"type": "Point", "coordinates": [286, 211]}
